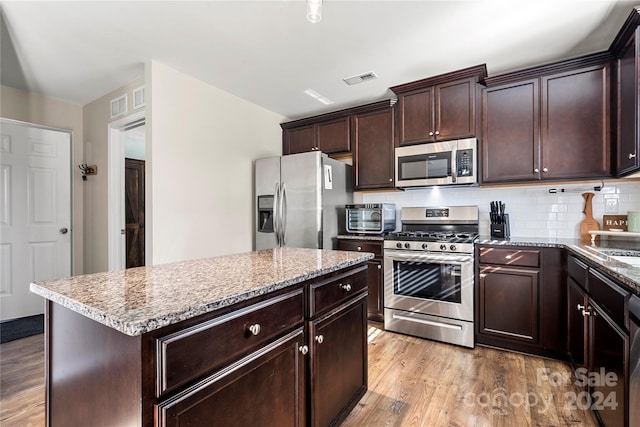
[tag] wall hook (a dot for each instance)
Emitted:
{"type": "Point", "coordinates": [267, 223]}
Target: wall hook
{"type": "Point", "coordinates": [88, 170]}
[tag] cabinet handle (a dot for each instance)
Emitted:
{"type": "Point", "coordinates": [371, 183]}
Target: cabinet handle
{"type": "Point", "coordinates": [430, 133]}
{"type": "Point", "coordinates": [586, 312]}
{"type": "Point", "coordinates": [437, 132]}
{"type": "Point", "coordinates": [346, 287]}
{"type": "Point", "coordinates": [254, 329]}
{"type": "Point", "coordinates": [508, 256]}
{"type": "Point", "coordinates": [390, 179]}
{"type": "Point", "coordinates": [379, 267]}
{"type": "Point", "coordinates": [536, 170]}
{"type": "Point", "coordinates": [303, 349]}
{"type": "Point", "coordinates": [359, 248]}
{"type": "Point", "coordinates": [545, 170]}
{"type": "Point", "coordinates": [632, 156]}
{"type": "Point", "coordinates": [580, 307]}
{"type": "Point", "coordinates": [319, 339]}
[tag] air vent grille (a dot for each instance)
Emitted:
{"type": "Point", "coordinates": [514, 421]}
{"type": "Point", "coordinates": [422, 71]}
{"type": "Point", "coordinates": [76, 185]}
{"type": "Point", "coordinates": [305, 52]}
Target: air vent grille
{"type": "Point", "coordinates": [360, 78]}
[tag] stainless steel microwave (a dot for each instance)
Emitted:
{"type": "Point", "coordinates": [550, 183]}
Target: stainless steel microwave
{"type": "Point", "coordinates": [439, 163]}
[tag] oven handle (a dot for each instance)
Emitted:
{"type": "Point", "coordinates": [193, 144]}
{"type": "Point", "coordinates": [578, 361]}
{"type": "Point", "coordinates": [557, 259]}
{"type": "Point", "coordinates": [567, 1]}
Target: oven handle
{"type": "Point", "coordinates": [411, 256]}
{"type": "Point", "coordinates": [427, 322]}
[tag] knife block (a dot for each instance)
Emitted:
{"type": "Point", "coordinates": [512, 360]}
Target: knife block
{"type": "Point", "coordinates": [501, 231]}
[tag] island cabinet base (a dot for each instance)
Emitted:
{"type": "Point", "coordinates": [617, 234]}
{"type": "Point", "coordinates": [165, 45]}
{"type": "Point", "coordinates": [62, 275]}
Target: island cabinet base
{"type": "Point", "coordinates": [257, 362]}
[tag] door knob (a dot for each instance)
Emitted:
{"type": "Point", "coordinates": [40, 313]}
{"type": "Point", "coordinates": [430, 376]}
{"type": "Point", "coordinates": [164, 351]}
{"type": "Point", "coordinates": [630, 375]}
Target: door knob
{"type": "Point", "coordinates": [64, 230]}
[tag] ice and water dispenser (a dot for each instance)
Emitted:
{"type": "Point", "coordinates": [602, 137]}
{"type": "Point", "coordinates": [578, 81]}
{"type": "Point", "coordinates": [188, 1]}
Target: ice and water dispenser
{"type": "Point", "coordinates": [265, 214]}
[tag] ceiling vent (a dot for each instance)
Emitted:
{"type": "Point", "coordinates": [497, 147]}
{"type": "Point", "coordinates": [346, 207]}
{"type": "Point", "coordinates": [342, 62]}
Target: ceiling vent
{"type": "Point", "coordinates": [360, 78]}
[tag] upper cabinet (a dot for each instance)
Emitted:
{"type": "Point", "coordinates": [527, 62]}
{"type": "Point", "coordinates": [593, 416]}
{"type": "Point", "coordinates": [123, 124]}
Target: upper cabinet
{"type": "Point", "coordinates": [326, 133]}
{"type": "Point", "coordinates": [626, 49]}
{"type": "Point", "coordinates": [373, 146]}
{"type": "Point", "coordinates": [438, 108]}
{"type": "Point", "coordinates": [548, 123]}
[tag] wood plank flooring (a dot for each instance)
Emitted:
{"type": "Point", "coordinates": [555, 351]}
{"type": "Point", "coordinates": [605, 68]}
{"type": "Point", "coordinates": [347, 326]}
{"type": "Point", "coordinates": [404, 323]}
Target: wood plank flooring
{"type": "Point", "coordinates": [412, 382]}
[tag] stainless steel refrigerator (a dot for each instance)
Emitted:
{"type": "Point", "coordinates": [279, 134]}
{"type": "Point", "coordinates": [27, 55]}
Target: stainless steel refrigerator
{"type": "Point", "coordinates": [300, 200]}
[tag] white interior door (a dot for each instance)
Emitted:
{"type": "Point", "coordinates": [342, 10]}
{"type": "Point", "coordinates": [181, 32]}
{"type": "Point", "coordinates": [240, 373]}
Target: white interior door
{"type": "Point", "coordinates": [35, 216]}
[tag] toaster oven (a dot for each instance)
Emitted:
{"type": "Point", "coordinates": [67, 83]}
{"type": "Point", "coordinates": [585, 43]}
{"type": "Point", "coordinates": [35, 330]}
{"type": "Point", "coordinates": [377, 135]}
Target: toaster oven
{"type": "Point", "coordinates": [374, 218]}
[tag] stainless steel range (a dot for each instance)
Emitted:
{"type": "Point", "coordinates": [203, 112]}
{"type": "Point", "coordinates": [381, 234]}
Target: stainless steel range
{"type": "Point", "coordinates": [429, 279]}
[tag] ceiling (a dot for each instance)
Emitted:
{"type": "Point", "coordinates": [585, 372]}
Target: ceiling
{"type": "Point", "coordinates": [267, 53]}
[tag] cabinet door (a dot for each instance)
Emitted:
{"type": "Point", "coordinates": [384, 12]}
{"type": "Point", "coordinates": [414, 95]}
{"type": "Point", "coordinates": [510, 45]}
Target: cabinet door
{"type": "Point", "coordinates": [375, 304]}
{"type": "Point", "coordinates": [609, 351]}
{"type": "Point", "coordinates": [264, 389]}
{"type": "Point", "coordinates": [415, 117]}
{"type": "Point", "coordinates": [511, 128]}
{"type": "Point", "coordinates": [575, 124]}
{"type": "Point", "coordinates": [299, 140]}
{"type": "Point", "coordinates": [508, 303]}
{"type": "Point", "coordinates": [553, 313]}
{"type": "Point", "coordinates": [373, 156]}
{"type": "Point", "coordinates": [576, 323]}
{"type": "Point", "coordinates": [334, 136]}
{"type": "Point", "coordinates": [628, 140]}
{"type": "Point", "coordinates": [338, 350]}
{"type": "Point", "coordinates": [455, 110]}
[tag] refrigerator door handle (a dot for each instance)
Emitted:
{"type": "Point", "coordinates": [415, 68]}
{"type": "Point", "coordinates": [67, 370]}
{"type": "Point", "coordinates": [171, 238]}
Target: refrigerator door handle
{"type": "Point", "coordinates": [283, 211]}
{"type": "Point", "coordinates": [276, 214]}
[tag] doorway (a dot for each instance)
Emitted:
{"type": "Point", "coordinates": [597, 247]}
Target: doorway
{"type": "Point", "coordinates": [35, 213]}
{"type": "Point", "coordinates": [134, 194]}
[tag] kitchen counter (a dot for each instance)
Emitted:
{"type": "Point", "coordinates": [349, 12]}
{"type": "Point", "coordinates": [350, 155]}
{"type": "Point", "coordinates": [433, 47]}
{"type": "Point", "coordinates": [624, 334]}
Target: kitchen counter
{"type": "Point", "coordinates": [596, 254]}
{"type": "Point", "coordinates": [139, 300]}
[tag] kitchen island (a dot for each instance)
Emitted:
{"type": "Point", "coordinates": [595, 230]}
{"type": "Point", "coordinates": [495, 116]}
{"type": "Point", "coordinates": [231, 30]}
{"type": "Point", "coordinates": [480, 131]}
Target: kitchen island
{"type": "Point", "coordinates": [272, 337]}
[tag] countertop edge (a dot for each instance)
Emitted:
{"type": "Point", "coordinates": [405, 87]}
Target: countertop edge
{"type": "Point", "coordinates": [137, 328]}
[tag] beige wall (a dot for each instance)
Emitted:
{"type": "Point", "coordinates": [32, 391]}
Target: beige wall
{"type": "Point", "coordinates": [203, 144]}
{"type": "Point", "coordinates": [96, 119]}
{"type": "Point", "coordinates": [33, 108]}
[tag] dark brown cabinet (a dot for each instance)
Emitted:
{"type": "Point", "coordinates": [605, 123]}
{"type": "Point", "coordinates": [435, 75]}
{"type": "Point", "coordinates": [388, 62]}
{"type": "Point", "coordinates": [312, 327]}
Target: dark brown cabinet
{"type": "Point", "coordinates": [627, 51]}
{"type": "Point", "coordinates": [375, 301]}
{"type": "Point", "coordinates": [438, 108]}
{"type": "Point", "coordinates": [598, 340]}
{"type": "Point", "coordinates": [373, 147]}
{"type": "Point", "coordinates": [520, 299]}
{"type": "Point", "coordinates": [548, 123]}
{"type": "Point", "coordinates": [328, 135]}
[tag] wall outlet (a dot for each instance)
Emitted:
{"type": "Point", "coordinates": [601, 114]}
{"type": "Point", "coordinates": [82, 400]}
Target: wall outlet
{"type": "Point", "coordinates": [610, 205]}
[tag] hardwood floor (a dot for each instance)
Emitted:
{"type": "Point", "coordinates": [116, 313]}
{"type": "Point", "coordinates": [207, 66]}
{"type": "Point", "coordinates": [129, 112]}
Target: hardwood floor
{"type": "Point", "coordinates": [412, 382]}
{"type": "Point", "coordinates": [22, 382]}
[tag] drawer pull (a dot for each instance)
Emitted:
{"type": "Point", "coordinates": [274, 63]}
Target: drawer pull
{"type": "Point", "coordinates": [254, 329]}
{"type": "Point", "coordinates": [346, 287]}
{"type": "Point", "coordinates": [586, 312]}
{"type": "Point", "coordinates": [359, 248]}
{"type": "Point", "coordinates": [319, 339]}
{"type": "Point", "coordinates": [508, 256]}
{"type": "Point", "coordinates": [632, 156]}
{"type": "Point", "coordinates": [580, 307]}
{"type": "Point", "coordinates": [303, 349]}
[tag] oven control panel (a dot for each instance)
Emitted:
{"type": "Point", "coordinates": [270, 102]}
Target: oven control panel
{"type": "Point", "coordinates": [429, 246]}
{"type": "Point", "coordinates": [437, 213]}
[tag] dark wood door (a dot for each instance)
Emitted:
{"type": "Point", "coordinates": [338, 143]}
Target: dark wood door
{"type": "Point", "coordinates": [455, 110]}
{"type": "Point", "coordinates": [576, 323]}
{"type": "Point", "coordinates": [553, 311]}
{"type": "Point", "coordinates": [575, 129]}
{"type": "Point", "coordinates": [508, 303]}
{"type": "Point", "coordinates": [373, 155]}
{"type": "Point", "coordinates": [338, 350]}
{"type": "Point", "coordinates": [609, 355]}
{"type": "Point", "coordinates": [334, 136]}
{"type": "Point", "coordinates": [299, 140]}
{"type": "Point", "coordinates": [511, 129]}
{"type": "Point", "coordinates": [265, 390]}
{"type": "Point", "coordinates": [628, 134]}
{"type": "Point", "coordinates": [415, 117]}
{"type": "Point", "coordinates": [134, 211]}
{"type": "Point", "coordinates": [375, 303]}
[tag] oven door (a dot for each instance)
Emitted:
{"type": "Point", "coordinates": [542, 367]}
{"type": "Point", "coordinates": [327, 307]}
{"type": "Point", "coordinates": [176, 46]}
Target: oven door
{"type": "Point", "coordinates": [438, 284]}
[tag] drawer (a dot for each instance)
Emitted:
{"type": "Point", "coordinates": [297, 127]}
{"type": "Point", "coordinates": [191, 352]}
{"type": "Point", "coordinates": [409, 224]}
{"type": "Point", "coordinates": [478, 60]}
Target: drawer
{"type": "Point", "coordinates": [188, 354]}
{"type": "Point", "coordinates": [336, 290]}
{"type": "Point", "coordinates": [510, 256]}
{"type": "Point", "coordinates": [361, 246]}
{"type": "Point", "coordinates": [609, 296]}
{"type": "Point", "coordinates": [578, 270]}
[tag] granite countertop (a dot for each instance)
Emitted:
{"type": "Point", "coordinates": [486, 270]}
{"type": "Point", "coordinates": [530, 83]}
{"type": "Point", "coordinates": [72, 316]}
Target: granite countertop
{"type": "Point", "coordinates": [139, 300]}
{"type": "Point", "coordinates": [377, 237]}
{"type": "Point", "coordinates": [596, 254]}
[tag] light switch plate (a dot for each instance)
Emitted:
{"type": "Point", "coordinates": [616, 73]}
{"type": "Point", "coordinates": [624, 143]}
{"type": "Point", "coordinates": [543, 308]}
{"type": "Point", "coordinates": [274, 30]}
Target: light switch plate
{"type": "Point", "coordinates": [610, 205]}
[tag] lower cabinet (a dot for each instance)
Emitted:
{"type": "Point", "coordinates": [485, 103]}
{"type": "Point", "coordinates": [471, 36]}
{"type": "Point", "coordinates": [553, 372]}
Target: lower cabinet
{"type": "Point", "coordinates": [598, 341]}
{"type": "Point", "coordinates": [338, 348]}
{"type": "Point", "coordinates": [375, 302]}
{"type": "Point", "coordinates": [521, 299]}
{"type": "Point", "coordinates": [265, 388]}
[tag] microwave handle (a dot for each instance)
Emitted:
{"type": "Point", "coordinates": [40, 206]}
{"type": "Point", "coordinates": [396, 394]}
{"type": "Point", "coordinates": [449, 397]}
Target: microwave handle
{"type": "Point", "coordinates": [454, 164]}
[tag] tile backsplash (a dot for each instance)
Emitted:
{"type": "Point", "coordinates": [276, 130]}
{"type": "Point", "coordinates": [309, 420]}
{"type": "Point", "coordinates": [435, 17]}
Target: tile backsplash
{"type": "Point", "coordinates": [533, 210]}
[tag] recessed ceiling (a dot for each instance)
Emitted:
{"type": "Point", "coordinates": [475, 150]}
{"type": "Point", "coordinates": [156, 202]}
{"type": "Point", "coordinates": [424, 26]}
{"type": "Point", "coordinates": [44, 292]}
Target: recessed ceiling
{"type": "Point", "coordinates": [268, 53]}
